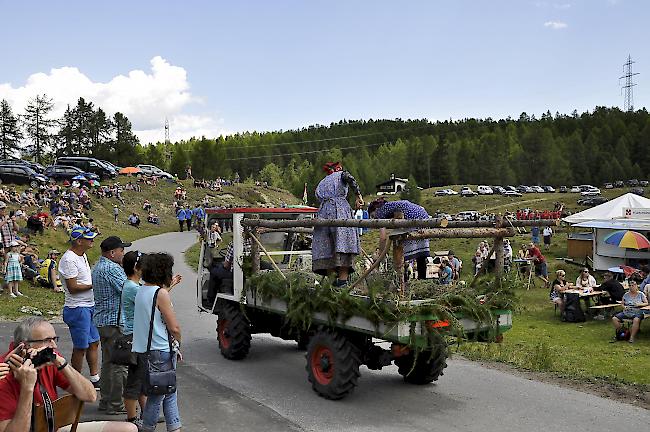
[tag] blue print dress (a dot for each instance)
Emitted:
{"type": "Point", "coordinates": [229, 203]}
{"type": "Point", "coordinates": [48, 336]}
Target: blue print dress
{"type": "Point", "coordinates": [14, 272]}
{"type": "Point", "coordinates": [413, 249]}
{"type": "Point", "coordinates": [334, 246]}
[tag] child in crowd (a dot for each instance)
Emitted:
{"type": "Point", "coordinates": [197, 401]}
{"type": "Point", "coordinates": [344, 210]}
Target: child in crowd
{"type": "Point", "coordinates": [12, 270]}
{"type": "Point", "coordinates": [116, 212]}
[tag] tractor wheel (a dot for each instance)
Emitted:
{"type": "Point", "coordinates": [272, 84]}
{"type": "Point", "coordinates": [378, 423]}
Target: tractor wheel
{"type": "Point", "coordinates": [428, 367]}
{"type": "Point", "coordinates": [303, 341]}
{"type": "Point", "coordinates": [332, 364]}
{"type": "Point", "coordinates": [233, 333]}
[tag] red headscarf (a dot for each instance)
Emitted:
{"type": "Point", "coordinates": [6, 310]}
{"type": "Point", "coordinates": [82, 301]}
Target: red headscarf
{"type": "Point", "coordinates": [332, 167]}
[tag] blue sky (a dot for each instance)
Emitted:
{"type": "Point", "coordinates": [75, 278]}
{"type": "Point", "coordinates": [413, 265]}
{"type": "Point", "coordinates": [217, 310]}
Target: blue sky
{"type": "Point", "coordinates": [213, 67]}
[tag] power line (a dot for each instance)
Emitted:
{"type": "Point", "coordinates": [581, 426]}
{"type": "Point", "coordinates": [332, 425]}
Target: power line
{"type": "Point", "coordinates": [310, 152]}
{"type": "Point", "coordinates": [332, 139]}
{"type": "Point", "coordinates": [629, 84]}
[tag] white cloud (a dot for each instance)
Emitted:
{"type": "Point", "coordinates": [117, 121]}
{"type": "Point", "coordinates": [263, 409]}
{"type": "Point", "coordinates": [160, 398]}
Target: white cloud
{"type": "Point", "coordinates": [555, 25]}
{"type": "Point", "coordinates": [146, 98]}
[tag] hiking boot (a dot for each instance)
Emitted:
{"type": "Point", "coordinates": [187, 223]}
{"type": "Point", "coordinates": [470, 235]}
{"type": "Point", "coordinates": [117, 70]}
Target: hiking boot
{"type": "Point", "coordinates": [97, 385]}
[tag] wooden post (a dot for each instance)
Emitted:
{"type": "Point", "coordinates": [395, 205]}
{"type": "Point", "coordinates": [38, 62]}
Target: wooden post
{"type": "Point", "coordinates": [398, 258]}
{"type": "Point", "coordinates": [255, 251]}
{"type": "Point", "coordinates": [498, 251]}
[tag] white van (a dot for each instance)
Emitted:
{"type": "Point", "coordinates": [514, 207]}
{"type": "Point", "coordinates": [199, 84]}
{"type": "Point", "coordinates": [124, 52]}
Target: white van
{"type": "Point", "coordinates": [484, 190]}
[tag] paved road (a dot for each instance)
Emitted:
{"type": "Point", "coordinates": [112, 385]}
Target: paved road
{"type": "Point", "coordinates": [467, 398]}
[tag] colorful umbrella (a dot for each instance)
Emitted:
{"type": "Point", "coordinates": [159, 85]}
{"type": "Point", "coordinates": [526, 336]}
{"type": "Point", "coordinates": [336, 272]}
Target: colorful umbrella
{"type": "Point", "coordinates": [130, 170]}
{"type": "Point", "coordinates": [628, 239]}
{"type": "Point", "coordinates": [79, 177]}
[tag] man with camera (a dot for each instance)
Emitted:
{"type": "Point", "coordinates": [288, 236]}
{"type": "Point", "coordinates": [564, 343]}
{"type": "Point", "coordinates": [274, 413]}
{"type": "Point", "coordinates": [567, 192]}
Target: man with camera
{"type": "Point", "coordinates": [36, 371]}
{"type": "Point", "coordinates": [8, 225]}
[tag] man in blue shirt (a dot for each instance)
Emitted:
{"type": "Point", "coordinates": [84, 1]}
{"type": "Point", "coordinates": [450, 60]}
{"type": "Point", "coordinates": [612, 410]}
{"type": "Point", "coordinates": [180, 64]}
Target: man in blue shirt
{"type": "Point", "coordinates": [180, 215]}
{"type": "Point", "coordinates": [108, 279]}
{"type": "Point", "coordinates": [198, 214]}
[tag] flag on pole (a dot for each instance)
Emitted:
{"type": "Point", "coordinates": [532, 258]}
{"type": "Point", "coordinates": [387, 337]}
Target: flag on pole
{"type": "Point", "coordinates": [304, 195]}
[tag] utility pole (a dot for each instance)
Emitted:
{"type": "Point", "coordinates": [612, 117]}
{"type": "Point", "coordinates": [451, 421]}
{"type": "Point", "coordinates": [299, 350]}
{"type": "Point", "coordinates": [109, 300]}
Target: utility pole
{"type": "Point", "coordinates": [168, 153]}
{"type": "Point", "coordinates": [629, 84]}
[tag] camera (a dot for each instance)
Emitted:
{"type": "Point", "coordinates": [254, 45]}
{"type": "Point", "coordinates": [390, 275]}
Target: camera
{"type": "Point", "coordinates": [44, 356]}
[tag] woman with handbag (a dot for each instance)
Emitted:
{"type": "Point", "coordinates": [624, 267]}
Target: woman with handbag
{"type": "Point", "coordinates": [156, 339]}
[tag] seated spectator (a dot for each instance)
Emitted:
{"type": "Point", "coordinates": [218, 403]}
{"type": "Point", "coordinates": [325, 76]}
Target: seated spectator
{"type": "Point", "coordinates": [644, 286]}
{"type": "Point", "coordinates": [153, 218]}
{"type": "Point", "coordinates": [585, 281]}
{"type": "Point", "coordinates": [558, 287]}
{"type": "Point", "coordinates": [633, 300]}
{"type": "Point", "coordinates": [32, 335]}
{"type": "Point", "coordinates": [613, 287]}
{"type": "Point", "coordinates": [134, 220]}
{"type": "Point", "coordinates": [48, 276]}
{"type": "Point", "coordinates": [446, 273]}
{"type": "Point", "coordinates": [34, 224]}
{"type": "Point", "coordinates": [146, 206]}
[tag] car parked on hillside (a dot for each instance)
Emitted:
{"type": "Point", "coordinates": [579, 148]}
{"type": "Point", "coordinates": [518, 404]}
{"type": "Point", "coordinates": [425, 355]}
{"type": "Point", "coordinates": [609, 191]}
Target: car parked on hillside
{"type": "Point", "coordinates": [111, 165]}
{"type": "Point", "coordinates": [511, 193]}
{"type": "Point", "coordinates": [563, 189]}
{"type": "Point", "coordinates": [548, 189]}
{"type": "Point", "coordinates": [21, 175]}
{"type": "Point", "coordinates": [593, 191]}
{"type": "Point", "coordinates": [524, 189]}
{"type": "Point", "coordinates": [633, 182]}
{"type": "Point", "coordinates": [22, 162]}
{"type": "Point", "coordinates": [154, 170]}
{"type": "Point", "coordinates": [643, 183]}
{"type": "Point", "coordinates": [638, 191]}
{"type": "Point", "coordinates": [619, 183]}
{"type": "Point", "coordinates": [608, 186]}
{"type": "Point", "coordinates": [498, 189]}
{"type": "Point", "coordinates": [445, 192]}
{"type": "Point", "coordinates": [510, 188]}
{"type": "Point", "coordinates": [484, 190]}
{"type": "Point", "coordinates": [89, 165]}
{"type": "Point", "coordinates": [466, 191]}
{"type": "Point", "coordinates": [66, 172]}
{"type": "Point", "coordinates": [538, 189]}
{"type": "Point", "coordinates": [592, 201]}
{"type": "Point", "coordinates": [467, 215]}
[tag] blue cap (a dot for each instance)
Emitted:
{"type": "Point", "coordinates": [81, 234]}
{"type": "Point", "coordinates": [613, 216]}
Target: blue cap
{"type": "Point", "coordinates": [81, 232]}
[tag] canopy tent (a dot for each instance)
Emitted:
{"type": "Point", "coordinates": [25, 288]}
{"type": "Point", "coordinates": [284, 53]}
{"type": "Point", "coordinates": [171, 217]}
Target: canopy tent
{"type": "Point", "coordinates": [610, 210]}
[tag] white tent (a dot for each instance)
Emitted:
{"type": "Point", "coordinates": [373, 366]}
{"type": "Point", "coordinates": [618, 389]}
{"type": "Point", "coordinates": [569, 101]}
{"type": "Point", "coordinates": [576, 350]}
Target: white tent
{"type": "Point", "coordinates": [610, 210]}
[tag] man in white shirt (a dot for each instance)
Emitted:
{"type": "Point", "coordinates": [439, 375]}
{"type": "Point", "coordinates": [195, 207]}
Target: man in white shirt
{"type": "Point", "coordinates": [547, 233]}
{"type": "Point", "coordinates": [79, 305]}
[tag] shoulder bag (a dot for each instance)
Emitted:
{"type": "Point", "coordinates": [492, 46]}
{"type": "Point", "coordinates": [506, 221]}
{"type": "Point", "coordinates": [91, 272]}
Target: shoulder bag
{"type": "Point", "coordinates": [159, 374]}
{"type": "Point", "coordinates": [121, 353]}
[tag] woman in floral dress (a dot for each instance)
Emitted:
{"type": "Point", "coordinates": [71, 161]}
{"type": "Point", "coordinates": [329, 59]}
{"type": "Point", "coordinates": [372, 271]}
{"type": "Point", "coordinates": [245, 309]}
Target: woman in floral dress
{"type": "Point", "coordinates": [334, 248]}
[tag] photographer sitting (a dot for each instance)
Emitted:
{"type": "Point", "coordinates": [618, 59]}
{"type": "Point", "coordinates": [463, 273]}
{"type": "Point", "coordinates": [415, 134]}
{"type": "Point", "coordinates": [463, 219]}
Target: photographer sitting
{"type": "Point", "coordinates": [30, 381]}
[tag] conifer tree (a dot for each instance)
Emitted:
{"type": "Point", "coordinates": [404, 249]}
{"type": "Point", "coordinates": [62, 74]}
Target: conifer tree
{"type": "Point", "coordinates": [10, 133]}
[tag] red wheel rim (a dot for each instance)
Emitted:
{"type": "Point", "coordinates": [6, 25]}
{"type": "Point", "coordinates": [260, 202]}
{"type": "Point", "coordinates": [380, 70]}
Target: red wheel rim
{"type": "Point", "coordinates": [322, 365]}
{"type": "Point", "coordinates": [222, 333]}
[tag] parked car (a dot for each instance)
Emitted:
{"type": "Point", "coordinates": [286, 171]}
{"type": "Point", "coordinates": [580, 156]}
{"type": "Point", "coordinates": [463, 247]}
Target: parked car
{"type": "Point", "coordinates": [511, 193]}
{"type": "Point", "coordinates": [575, 189]}
{"type": "Point", "coordinates": [619, 184]}
{"type": "Point", "coordinates": [112, 165]}
{"type": "Point", "coordinates": [498, 190]}
{"type": "Point", "coordinates": [524, 189]}
{"type": "Point", "coordinates": [88, 164]}
{"type": "Point", "coordinates": [609, 186]}
{"type": "Point", "coordinates": [33, 165]}
{"type": "Point", "coordinates": [643, 183]}
{"type": "Point", "coordinates": [592, 201]}
{"type": "Point", "coordinates": [511, 188]}
{"type": "Point", "coordinates": [549, 189]}
{"type": "Point", "coordinates": [593, 191]}
{"type": "Point", "coordinates": [21, 175]}
{"type": "Point", "coordinates": [538, 189]}
{"type": "Point", "coordinates": [638, 191]}
{"type": "Point", "coordinates": [66, 172]}
{"type": "Point", "coordinates": [154, 170]}
{"type": "Point", "coordinates": [633, 182]}
{"type": "Point", "coordinates": [445, 192]}
{"type": "Point", "coordinates": [466, 191]}
{"type": "Point", "coordinates": [563, 189]}
{"type": "Point", "coordinates": [484, 190]}
{"type": "Point", "coordinates": [467, 215]}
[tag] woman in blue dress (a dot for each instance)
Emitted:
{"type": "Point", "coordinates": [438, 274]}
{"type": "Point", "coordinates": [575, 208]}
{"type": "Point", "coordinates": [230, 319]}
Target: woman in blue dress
{"type": "Point", "coordinates": [417, 250]}
{"type": "Point", "coordinates": [334, 248]}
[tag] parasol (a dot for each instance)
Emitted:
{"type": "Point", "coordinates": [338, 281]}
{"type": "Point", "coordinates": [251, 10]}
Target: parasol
{"type": "Point", "coordinates": [130, 170]}
{"type": "Point", "coordinates": [628, 239]}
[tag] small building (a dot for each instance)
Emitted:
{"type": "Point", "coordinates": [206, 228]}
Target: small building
{"type": "Point", "coordinates": [627, 212]}
{"type": "Point", "coordinates": [392, 186]}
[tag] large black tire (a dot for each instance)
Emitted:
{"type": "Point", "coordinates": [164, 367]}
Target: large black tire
{"type": "Point", "coordinates": [332, 364]}
{"type": "Point", "coordinates": [429, 366]}
{"type": "Point", "coordinates": [233, 332]}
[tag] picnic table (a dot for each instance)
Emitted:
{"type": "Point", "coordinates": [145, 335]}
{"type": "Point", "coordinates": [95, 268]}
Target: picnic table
{"type": "Point", "coordinates": [587, 296]}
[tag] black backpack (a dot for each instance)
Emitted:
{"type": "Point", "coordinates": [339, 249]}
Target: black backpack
{"type": "Point", "coordinates": [572, 311]}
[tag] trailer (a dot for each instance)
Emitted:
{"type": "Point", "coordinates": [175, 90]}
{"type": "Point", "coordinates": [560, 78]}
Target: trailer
{"type": "Point", "coordinates": [336, 345]}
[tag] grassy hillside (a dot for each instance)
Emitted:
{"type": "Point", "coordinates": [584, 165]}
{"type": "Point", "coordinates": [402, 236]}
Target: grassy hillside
{"type": "Point", "coordinates": [161, 198]}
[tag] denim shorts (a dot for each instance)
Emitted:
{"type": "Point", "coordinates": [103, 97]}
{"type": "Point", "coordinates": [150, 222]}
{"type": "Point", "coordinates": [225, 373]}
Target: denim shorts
{"type": "Point", "coordinates": [80, 322]}
{"type": "Point", "coordinates": [629, 315]}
